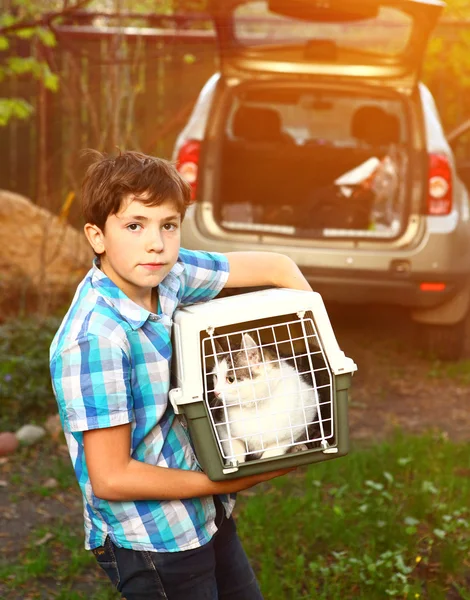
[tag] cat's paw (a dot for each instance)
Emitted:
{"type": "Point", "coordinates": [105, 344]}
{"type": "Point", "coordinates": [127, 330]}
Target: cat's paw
{"type": "Point", "coordinates": [236, 450]}
{"type": "Point", "coordinates": [272, 452]}
{"type": "Point", "coordinates": [298, 448]}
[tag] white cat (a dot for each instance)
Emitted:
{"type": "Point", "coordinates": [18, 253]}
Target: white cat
{"type": "Point", "coordinates": [268, 405]}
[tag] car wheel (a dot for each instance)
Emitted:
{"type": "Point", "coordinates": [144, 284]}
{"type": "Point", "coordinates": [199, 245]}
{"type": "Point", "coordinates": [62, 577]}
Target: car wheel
{"type": "Point", "coordinates": [444, 342]}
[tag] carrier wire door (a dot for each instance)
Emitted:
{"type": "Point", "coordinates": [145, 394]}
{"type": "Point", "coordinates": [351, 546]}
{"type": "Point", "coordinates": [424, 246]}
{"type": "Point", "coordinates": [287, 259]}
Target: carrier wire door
{"type": "Point", "coordinates": [269, 392]}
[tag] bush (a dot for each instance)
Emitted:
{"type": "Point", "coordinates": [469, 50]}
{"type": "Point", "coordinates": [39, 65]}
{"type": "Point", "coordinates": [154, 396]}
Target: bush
{"type": "Point", "coordinates": [25, 386]}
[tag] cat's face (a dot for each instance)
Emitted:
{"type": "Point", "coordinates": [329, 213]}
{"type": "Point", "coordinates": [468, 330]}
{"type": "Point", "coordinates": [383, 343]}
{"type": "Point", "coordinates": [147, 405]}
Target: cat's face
{"type": "Point", "coordinates": [240, 376]}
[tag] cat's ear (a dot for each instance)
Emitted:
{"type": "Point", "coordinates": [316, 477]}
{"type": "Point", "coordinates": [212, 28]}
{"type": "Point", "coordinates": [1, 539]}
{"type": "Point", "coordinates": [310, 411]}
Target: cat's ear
{"type": "Point", "coordinates": [248, 341]}
{"type": "Point", "coordinates": [218, 349]}
{"type": "Point", "coordinates": [251, 347]}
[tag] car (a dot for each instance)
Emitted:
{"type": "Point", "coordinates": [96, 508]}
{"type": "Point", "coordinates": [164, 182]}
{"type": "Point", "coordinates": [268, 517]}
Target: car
{"type": "Point", "coordinates": [318, 139]}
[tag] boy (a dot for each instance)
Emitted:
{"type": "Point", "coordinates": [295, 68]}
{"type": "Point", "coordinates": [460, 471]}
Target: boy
{"type": "Point", "coordinates": [155, 522]}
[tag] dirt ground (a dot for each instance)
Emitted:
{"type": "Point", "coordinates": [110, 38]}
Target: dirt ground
{"type": "Point", "coordinates": [394, 387]}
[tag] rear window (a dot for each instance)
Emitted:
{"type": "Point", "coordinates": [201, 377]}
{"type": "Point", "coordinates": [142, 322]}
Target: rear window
{"type": "Point", "coordinates": [387, 32]}
{"type": "Point", "coordinates": [327, 118]}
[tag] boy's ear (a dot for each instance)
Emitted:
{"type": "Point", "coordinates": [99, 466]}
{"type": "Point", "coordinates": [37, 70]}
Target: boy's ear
{"type": "Point", "coordinates": [95, 237]}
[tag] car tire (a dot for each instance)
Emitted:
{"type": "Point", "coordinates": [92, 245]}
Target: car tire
{"type": "Point", "coordinates": [444, 342]}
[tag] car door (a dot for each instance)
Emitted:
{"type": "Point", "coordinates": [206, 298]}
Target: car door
{"type": "Point", "coordinates": [376, 40]}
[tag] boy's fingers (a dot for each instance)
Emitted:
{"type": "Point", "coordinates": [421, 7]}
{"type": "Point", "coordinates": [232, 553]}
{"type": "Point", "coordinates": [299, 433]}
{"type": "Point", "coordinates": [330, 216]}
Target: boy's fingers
{"type": "Point", "coordinates": [285, 471]}
{"type": "Point", "coordinates": [278, 473]}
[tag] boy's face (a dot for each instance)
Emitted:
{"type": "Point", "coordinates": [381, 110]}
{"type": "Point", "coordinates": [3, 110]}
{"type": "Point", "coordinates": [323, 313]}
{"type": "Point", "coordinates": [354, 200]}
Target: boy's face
{"type": "Point", "coordinates": [139, 246]}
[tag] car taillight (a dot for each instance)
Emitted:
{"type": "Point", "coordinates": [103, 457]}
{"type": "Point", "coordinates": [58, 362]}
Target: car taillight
{"type": "Point", "coordinates": [187, 163]}
{"type": "Point", "coordinates": [440, 185]}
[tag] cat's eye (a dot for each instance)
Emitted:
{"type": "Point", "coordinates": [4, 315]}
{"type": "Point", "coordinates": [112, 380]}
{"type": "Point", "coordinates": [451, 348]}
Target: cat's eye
{"type": "Point", "coordinates": [230, 379]}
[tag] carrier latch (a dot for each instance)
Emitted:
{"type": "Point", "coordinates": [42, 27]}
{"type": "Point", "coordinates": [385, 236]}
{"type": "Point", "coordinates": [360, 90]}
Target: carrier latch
{"type": "Point", "coordinates": [175, 395]}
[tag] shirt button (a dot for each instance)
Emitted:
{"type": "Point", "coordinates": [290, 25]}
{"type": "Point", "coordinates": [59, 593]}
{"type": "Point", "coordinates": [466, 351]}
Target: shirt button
{"type": "Point", "coordinates": [153, 318]}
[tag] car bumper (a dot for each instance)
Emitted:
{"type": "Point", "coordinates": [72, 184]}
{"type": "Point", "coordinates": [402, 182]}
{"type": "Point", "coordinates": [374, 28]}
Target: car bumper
{"type": "Point", "coordinates": [402, 290]}
{"type": "Point", "coordinates": [361, 275]}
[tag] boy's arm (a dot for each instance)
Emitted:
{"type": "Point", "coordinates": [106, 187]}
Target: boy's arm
{"type": "Point", "coordinates": [115, 476]}
{"type": "Point", "coordinates": [251, 269]}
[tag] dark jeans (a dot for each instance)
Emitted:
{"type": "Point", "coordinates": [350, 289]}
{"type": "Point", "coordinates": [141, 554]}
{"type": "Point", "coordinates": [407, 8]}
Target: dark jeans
{"type": "Point", "coordinates": [218, 570]}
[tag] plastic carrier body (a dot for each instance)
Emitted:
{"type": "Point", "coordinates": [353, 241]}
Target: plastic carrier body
{"type": "Point", "coordinates": [261, 382]}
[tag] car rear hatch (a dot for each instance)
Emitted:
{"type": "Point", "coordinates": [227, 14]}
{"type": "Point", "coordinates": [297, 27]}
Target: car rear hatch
{"type": "Point", "coordinates": [311, 137]}
{"type": "Point", "coordinates": [380, 40]}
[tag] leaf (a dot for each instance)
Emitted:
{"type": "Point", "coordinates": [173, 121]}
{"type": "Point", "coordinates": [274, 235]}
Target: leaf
{"type": "Point", "coordinates": [381, 523]}
{"type": "Point", "coordinates": [338, 511]}
{"type": "Point", "coordinates": [20, 66]}
{"type": "Point", "coordinates": [11, 108]}
{"type": "Point", "coordinates": [26, 34]}
{"type": "Point", "coordinates": [51, 80]}
{"type": "Point", "coordinates": [439, 533]}
{"type": "Point", "coordinates": [402, 567]}
{"type": "Point", "coordinates": [428, 486]}
{"type": "Point", "coordinates": [374, 485]}
{"type": "Point", "coordinates": [4, 43]}
{"type": "Point", "coordinates": [47, 37]}
{"type": "Point", "coordinates": [7, 19]}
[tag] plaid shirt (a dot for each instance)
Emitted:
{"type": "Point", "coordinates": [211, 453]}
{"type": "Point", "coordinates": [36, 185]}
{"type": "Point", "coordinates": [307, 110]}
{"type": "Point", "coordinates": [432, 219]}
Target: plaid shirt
{"type": "Point", "coordinates": [110, 365]}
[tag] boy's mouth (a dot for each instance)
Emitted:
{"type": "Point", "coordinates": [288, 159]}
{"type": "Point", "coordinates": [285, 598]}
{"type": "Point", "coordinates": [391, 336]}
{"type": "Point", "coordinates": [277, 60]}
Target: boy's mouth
{"type": "Point", "coordinates": [152, 266]}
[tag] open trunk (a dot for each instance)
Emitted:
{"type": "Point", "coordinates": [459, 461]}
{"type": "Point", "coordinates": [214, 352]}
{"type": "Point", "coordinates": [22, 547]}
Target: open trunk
{"type": "Point", "coordinates": [313, 163]}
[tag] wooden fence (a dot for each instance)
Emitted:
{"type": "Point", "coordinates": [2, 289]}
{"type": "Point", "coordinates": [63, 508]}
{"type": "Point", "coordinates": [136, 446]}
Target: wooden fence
{"type": "Point", "coordinates": [130, 88]}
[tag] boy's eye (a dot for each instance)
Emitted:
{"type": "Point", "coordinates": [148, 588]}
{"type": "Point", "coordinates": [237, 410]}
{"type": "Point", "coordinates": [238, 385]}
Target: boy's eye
{"type": "Point", "coordinates": [170, 226]}
{"type": "Point", "coordinates": [134, 227]}
{"type": "Point", "coordinates": [230, 379]}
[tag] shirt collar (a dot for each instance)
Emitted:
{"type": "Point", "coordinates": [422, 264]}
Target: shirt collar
{"type": "Point", "coordinates": [129, 310]}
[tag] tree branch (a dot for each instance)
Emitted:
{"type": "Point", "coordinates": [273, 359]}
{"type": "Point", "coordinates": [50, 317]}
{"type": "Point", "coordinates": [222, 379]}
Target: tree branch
{"type": "Point", "coordinates": [43, 21]}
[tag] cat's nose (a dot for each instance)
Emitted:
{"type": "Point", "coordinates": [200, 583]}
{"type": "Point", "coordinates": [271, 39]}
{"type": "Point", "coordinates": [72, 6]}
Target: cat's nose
{"type": "Point", "coordinates": [216, 394]}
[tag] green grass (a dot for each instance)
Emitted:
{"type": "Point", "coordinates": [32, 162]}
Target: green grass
{"type": "Point", "coordinates": [25, 385]}
{"type": "Point", "coordinates": [55, 565]}
{"type": "Point", "coordinates": [457, 371]}
{"type": "Point", "coordinates": [391, 520]}
{"type": "Point", "coordinates": [388, 521]}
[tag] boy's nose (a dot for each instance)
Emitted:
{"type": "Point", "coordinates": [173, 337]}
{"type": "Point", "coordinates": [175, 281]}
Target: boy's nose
{"type": "Point", "coordinates": [155, 243]}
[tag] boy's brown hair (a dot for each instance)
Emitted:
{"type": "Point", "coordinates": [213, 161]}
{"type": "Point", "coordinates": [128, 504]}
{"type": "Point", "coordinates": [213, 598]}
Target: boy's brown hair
{"type": "Point", "coordinates": [109, 179]}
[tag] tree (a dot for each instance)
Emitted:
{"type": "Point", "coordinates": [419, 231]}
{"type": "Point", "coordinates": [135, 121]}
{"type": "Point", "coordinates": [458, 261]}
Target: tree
{"type": "Point", "coordinates": [29, 20]}
{"type": "Point", "coordinates": [447, 63]}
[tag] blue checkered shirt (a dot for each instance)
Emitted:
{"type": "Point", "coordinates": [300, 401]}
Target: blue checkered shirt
{"type": "Point", "coordinates": [110, 365]}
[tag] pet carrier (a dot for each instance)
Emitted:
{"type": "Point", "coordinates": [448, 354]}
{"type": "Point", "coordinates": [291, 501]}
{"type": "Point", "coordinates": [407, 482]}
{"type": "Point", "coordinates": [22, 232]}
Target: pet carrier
{"type": "Point", "coordinates": [261, 382]}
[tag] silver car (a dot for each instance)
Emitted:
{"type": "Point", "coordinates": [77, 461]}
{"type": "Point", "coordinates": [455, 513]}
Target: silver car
{"type": "Point", "coordinates": [318, 140]}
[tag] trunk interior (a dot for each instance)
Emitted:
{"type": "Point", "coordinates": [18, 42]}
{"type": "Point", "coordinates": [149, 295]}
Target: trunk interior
{"type": "Point", "coordinates": [311, 163]}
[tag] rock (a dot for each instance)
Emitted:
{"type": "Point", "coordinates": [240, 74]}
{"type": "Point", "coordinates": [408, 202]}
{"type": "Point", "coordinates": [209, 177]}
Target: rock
{"type": "Point", "coordinates": [8, 443]}
{"type": "Point", "coordinates": [53, 426]}
{"type": "Point", "coordinates": [52, 256]}
{"type": "Point", "coordinates": [50, 483]}
{"type": "Point", "coordinates": [30, 434]}
{"type": "Point", "coordinates": [48, 536]}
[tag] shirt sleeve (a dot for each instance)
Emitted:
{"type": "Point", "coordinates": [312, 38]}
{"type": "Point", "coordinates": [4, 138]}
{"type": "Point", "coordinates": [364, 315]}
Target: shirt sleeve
{"type": "Point", "coordinates": [91, 381]}
{"type": "Point", "coordinates": [203, 277]}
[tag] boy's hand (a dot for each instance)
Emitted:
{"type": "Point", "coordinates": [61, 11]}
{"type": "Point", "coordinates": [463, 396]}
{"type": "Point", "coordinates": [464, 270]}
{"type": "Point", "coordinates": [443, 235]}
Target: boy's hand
{"type": "Point", "coordinates": [253, 269]}
{"type": "Point", "coordinates": [115, 476]}
{"type": "Point", "coordinates": [243, 483]}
